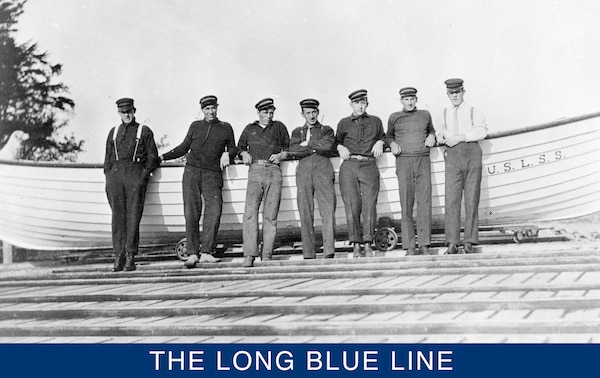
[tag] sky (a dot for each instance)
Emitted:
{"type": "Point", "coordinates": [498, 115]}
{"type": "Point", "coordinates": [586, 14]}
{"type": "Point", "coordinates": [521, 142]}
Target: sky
{"type": "Point", "coordinates": [523, 62]}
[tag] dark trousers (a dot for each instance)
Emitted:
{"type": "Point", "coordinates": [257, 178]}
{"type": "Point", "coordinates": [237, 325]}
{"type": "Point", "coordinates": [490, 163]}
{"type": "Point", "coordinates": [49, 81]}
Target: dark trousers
{"type": "Point", "coordinates": [264, 185]}
{"type": "Point", "coordinates": [359, 185]}
{"type": "Point", "coordinates": [463, 174]}
{"type": "Point", "coordinates": [314, 177]}
{"type": "Point", "coordinates": [126, 191]}
{"type": "Point", "coordinates": [414, 181]}
{"type": "Point", "coordinates": [198, 183]}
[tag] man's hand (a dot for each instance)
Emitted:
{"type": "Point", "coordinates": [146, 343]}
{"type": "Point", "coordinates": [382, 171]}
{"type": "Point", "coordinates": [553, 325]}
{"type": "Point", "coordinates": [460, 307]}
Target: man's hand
{"type": "Point", "coordinates": [246, 157]}
{"type": "Point", "coordinates": [224, 160]}
{"type": "Point", "coordinates": [377, 149]}
{"type": "Point", "coordinates": [343, 151]}
{"type": "Point", "coordinates": [455, 139]}
{"type": "Point", "coordinates": [430, 141]}
{"type": "Point", "coordinates": [395, 148]}
{"type": "Point", "coordinates": [277, 158]}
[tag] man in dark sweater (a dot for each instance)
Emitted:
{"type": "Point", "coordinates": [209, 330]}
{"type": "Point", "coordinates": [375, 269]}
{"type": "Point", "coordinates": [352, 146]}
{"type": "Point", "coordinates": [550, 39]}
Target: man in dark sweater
{"type": "Point", "coordinates": [209, 145]}
{"type": "Point", "coordinates": [262, 145]}
{"type": "Point", "coordinates": [410, 135]}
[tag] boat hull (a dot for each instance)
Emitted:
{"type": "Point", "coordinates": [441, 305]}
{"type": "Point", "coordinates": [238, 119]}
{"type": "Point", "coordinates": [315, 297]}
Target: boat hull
{"type": "Point", "coordinates": [535, 174]}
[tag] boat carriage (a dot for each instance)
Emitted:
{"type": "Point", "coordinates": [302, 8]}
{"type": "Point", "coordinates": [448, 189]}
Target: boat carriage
{"type": "Point", "coordinates": [544, 172]}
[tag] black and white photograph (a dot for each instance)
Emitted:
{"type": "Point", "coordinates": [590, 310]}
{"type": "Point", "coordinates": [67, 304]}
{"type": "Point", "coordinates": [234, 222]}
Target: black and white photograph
{"type": "Point", "coordinates": [305, 172]}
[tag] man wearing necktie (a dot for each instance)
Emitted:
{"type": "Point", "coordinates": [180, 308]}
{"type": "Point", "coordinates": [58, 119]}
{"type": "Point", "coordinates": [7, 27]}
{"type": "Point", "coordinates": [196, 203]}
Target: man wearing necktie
{"type": "Point", "coordinates": [312, 144]}
{"type": "Point", "coordinates": [360, 139]}
{"type": "Point", "coordinates": [461, 127]}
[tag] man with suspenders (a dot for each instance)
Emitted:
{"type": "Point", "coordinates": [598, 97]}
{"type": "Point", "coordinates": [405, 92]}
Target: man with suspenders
{"type": "Point", "coordinates": [130, 158]}
{"type": "Point", "coordinates": [461, 128]}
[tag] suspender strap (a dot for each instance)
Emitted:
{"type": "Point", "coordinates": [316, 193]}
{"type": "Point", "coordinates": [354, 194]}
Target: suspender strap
{"type": "Point", "coordinates": [138, 136]}
{"type": "Point", "coordinates": [471, 113]}
{"type": "Point", "coordinates": [115, 132]}
{"type": "Point", "coordinates": [472, 110]}
{"type": "Point", "coordinates": [445, 122]}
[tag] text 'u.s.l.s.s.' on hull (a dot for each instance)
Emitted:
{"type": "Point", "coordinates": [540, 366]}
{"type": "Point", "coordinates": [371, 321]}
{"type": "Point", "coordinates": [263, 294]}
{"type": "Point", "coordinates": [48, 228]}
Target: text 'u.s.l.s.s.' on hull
{"type": "Point", "coordinates": [544, 172]}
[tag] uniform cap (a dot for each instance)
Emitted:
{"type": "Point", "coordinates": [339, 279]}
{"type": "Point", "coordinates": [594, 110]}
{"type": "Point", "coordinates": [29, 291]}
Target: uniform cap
{"type": "Point", "coordinates": [309, 103]}
{"type": "Point", "coordinates": [408, 92]}
{"type": "Point", "coordinates": [358, 95]}
{"type": "Point", "coordinates": [454, 83]}
{"type": "Point", "coordinates": [208, 100]}
{"type": "Point", "coordinates": [124, 104]}
{"type": "Point", "coordinates": [265, 103]}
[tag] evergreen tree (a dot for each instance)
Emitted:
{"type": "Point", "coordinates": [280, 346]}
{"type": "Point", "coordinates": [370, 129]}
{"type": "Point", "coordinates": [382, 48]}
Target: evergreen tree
{"type": "Point", "coordinates": [31, 99]}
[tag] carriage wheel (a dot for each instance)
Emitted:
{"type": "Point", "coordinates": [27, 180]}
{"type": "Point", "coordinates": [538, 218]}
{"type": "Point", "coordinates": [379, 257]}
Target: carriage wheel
{"type": "Point", "coordinates": [181, 249]}
{"type": "Point", "coordinates": [386, 239]}
{"type": "Point", "coordinates": [518, 237]}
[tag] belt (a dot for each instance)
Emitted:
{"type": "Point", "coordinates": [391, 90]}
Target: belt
{"type": "Point", "coordinates": [362, 158]}
{"type": "Point", "coordinates": [263, 162]}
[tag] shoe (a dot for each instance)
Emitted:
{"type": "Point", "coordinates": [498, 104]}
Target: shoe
{"type": "Point", "coordinates": [411, 252]}
{"type": "Point", "coordinates": [119, 263]}
{"type": "Point", "coordinates": [357, 251]}
{"type": "Point", "coordinates": [248, 262]}
{"type": "Point", "coordinates": [329, 256]}
{"type": "Point", "coordinates": [129, 262]}
{"type": "Point", "coordinates": [424, 250]}
{"type": "Point", "coordinates": [191, 261]}
{"type": "Point", "coordinates": [469, 248]}
{"type": "Point", "coordinates": [267, 256]}
{"type": "Point", "coordinates": [452, 249]}
{"type": "Point", "coordinates": [208, 258]}
{"type": "Point", "coordinates": [368, 251]}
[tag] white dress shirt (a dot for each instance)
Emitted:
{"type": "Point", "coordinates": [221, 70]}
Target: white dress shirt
{"type": "Point", "coordinates": [471, 123]}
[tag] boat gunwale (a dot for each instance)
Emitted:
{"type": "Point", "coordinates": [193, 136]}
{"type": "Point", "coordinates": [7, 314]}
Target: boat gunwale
{"type": "Point", "coordinates": [493, 135]}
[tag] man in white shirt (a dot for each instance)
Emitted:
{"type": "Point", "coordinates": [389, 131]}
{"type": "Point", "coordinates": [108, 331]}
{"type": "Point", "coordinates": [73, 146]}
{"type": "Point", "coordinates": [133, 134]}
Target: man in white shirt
{"type": "Point", "coordinates": [461, 127]}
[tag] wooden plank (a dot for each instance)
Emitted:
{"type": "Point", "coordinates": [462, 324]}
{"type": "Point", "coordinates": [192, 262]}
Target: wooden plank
{"type": "Point", "coordinates": [582, 314]}
{"type": "Point", "coordinates": [541, 278]}
{"type": "Point", "coordinates": [566, 278]}
{"type": "Point", "coordinates": [511, 295]}
{"type": "Point", "coordinates": [492, 279]}
{"type": "Point", "coordinates": [589, 277]}
{"type": "Point", "coordinates": [510, 315]}
{"type": "Point", "coordinates": [543, 314]}
{"type": "Point", "coordinates": [7, 252]}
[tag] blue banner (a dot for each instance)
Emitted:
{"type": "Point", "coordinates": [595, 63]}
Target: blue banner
{"type": "Point", "coordinates": [300, 360]}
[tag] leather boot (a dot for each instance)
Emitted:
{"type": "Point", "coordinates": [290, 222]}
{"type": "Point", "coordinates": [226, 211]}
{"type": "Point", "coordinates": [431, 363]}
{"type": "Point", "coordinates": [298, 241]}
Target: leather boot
{"type": "Point", "coordinates": [469, 248]}
{"type": "Point", "coordinates": [208, 258]}
{"type": "Point", "coordinates": [191, 261]}
{"type": "Point", "coordinates": [129, 262]}
{"type": "Point", "coordinates": [119, 262]}
{"type": "Point", "coordinates": [357, 251]}
{"type": "Point", "coordinates": [452, 249]}
{"type": "Point", "coordinates": [248, 262]}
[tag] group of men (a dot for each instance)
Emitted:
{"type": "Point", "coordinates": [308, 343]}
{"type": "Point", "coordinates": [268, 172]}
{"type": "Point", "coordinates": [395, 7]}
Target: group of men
{"type": "Point", "coordinates": [209, 146]}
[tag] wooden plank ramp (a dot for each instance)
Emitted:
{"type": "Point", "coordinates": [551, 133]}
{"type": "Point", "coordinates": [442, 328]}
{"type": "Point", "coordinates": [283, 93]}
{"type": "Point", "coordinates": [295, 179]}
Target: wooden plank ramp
{"type": "Point", "coordinates": [532, 292]}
